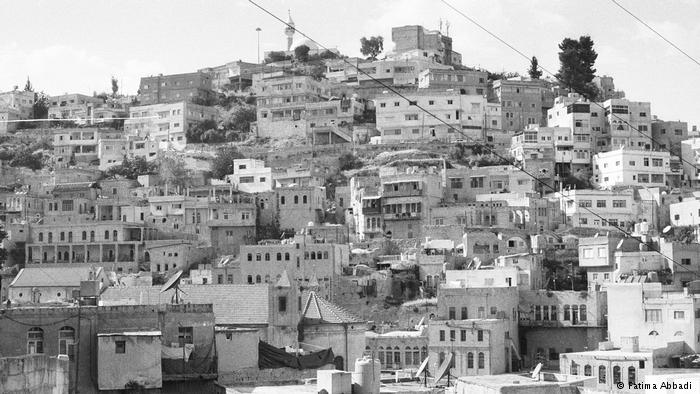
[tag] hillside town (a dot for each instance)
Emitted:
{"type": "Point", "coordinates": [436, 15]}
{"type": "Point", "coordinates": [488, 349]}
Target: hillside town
{"type": "Point", "coordinates": [394, 223]}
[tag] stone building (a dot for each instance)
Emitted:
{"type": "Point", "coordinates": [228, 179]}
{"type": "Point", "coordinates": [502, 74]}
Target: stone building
{"type": "Point", "coordinates": [161, 89]}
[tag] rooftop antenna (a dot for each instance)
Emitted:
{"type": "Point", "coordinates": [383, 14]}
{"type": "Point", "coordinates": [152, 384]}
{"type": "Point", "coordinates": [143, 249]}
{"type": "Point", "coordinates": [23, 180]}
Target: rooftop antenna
{"type": "Point", "coordinates": [173, 283]}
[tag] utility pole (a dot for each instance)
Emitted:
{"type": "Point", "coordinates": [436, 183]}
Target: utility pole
{"type": "Point", "coordinates": [258, 30]}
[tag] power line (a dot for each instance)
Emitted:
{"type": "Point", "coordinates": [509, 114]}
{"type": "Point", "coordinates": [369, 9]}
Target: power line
{"type": "Point", "coordinates": [493, 152]}
{"type": "Point", "coordinates": [655, 32]}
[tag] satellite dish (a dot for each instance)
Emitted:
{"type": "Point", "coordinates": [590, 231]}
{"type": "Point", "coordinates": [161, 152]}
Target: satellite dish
{"type": "Point", "coordinates": [444, 369]}
{"type": "Point", "coordinates": [421, 322]}
{"type": "Point", "coordinates": [666, 229]}
{"type": "Point", "coordinates": [478, 263]}
{"type": "Point", "coordinates": [423, 367]}
{"type": "Point", "coordinates": [536, 372]}
{"type": "Point", "coordinates": [173, 283]}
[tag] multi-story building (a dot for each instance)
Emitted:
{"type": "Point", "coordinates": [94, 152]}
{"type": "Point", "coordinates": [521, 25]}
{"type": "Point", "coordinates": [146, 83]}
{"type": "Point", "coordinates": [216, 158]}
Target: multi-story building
{"type": "Point", "coordinates": [628, 167]}
{"type": "Point", "coordinates": [571, 153]}
{"type": "Point", "coordinates": [20, 101]}
{"type": "Point", "coordinates": [554, 322]}
{"type": "Point", "coordinates": [690, 153]}
{"type": "Point", "coordinates": [74, 106]}
{"type": "Point", "coordinates": [8, 120]}
{"type": "Point", "coordinates": [396, 350]}
{"type": "Point", "coordinates": [112, 151]}
{"type": "Point", "coordinates": [80, 145]}
{"type": "Point", "coordinates": [166, 123]}
{"type": "Point", "coordinates": [415, 41]}
{"type": "Point", "coordinates": [282, 101]}
{"type": "Point", "coordinates": [487, 245]}
{"type": "Point", "coordinates": [523, 102]}
{"type": "Point", "coordinates": [405, 200]}
{"type": "Point", "coordinates": [606, 88]}
{"type": "Point", "coordinates": [162, 89]}
{"type": "Point", "coordinates": [366, 205]}
{"type": "Point", "coordinates": [606, 209]}
{"type": "Point", "coordinates": [470, 82]}
{"type": "Point", "coordinates": [300, 205]}
{"type": "Point", "coordinates": [597, 256]}
{"type": "Point", "coordinates": [627, 123]}
{"type": "Point", "coordinates": [656, 316]}
{"type": "Point", "coordinates": [464, 184]}
{"type": "Point", "coordinates": [685, 212]}
{"type": "Point", "coordinates": [668, 136]}
{"type": "Point", "coordinates": [459, 116]}
{"type": "Point", "coordinates": [404, 72]}
{"type": "Point", "coordinates": [683, 259]}
{"type": "Point", "coordinates": [250, 176]}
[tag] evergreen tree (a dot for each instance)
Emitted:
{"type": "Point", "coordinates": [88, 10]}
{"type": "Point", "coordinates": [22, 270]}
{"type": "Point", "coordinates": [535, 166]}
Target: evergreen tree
{"type": "Point", "coordinates": [534, 71]}
{"type": "Point", "coordinates": [28, 86]}
{"type": "Point", "coordinates": [115, 86]}
{"type": "Point", "coordinates": [577, 58]}
{"type": "Point", "coordinates": [372, 47]}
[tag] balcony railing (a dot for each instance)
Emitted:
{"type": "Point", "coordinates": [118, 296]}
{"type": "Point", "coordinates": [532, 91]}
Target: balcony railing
{"type": "Point", "coordinates": [402, 216]}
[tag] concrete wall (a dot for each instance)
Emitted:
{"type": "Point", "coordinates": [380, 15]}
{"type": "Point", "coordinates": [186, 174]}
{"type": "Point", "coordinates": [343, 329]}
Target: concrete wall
{"type": "Point", "coordinates": [236, 350]}
{"type": "Point", "coordinates": [37, 373]}
{"type": "Point", "coordinates": [347, 342]}
{"type": "Point", "coordinates": [140, 362]}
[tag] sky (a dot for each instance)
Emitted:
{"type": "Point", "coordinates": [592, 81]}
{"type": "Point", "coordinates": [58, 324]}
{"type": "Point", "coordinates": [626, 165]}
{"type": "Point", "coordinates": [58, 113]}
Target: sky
{"type": "Point", "coordinates": [76, 46]}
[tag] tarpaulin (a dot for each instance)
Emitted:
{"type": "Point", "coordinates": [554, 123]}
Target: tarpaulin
{"type": "Point", "coordinates": [271, 357]}
{"type": "Point", "coordinates": [177, 352]}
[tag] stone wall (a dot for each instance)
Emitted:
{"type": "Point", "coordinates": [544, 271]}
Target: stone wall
{"type": "Point", "coordinates": [37, 373]}
{"type": "Point", "coordinates": [254, 376]}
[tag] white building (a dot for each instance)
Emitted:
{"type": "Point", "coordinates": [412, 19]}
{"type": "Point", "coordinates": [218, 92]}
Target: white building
{"type": "Point", "coordinates": [166, 123]}
{"type": "Point", "coordinates": [400, 120]}
{"type": "Point", "coordinates": [604, 209]}
{"type": "Point", "coordinates": [251, 176]}
{"type": "Point", "coordinates": [686, 212]}
{"type": "Point", "coordinates": [690, 152]}
{"type": "Point", "coordinates": [627, 167]}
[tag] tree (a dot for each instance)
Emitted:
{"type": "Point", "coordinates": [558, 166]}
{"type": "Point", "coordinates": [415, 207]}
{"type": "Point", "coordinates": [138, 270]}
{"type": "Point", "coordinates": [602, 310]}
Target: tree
{"type": "Point", "coordinates": [196, 133]}
{"type": "Point", "coordinates": [24, 157]}
{"type": "Point", "coordinates": [223, 162]}
{"type": "Point", "coordinates": [577, 58]}
{"type": "Point", "coordinates": [115, 86]}
{"type": "Point", "coordinates": [372, 47]}
{"type": "Point", "coordinates": [133, 168]}
{"type": "Point", "coordinates": [240, 118]}
{"type": "Point", "coordinates": [172, 171]}
{"type": "Point", "coordinates": [40, 109]}
{"type": "Point", "coordinates": [276, 56]}
{"type": "Point", "coordinates": [534, 71]}
{"type": "Point", "coordinates": [301, 53]}
{"type": "Point", "coordinates": [3, 251]}
{"type": "Point", "coordinates": [28, 86]}
{"type": "Point", "coordinates": [348, 161]}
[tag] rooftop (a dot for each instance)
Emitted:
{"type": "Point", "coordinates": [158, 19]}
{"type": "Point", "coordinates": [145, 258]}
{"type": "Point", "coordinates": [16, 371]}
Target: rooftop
{"type": "Point", "coordinates": [319, 309]}
{"type": "Point", "coordinates": [46, 276]}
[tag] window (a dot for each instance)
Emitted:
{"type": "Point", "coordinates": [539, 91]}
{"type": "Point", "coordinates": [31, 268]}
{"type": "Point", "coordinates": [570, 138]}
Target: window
{"type": "Point", "coordinates": [282, 303]}
{"type": "Point", "coordinates": [35, 341]}
{"type": "Point", "coordinates": [480, 335]}
{"type": "Point", "coordinates": [553, 355]}
{"type": "Point", "coordinates": [619, 203]}
{"type": "Point", "coordinates": [452, 313]}
{"type": "Point", "coordinates": [184, 336]}
{"type": "Point", "coordinates": [600, 203]}
{"type": "Point", "coordinates": [470, 360]}
{"type": "Point", "coordinates": [442, 335]}
{"type": "Point", "coordinates": [567, 312]}
{"type": "Point", "coordinates": [652, 315]}
{"type": "Point", "coordinates": [463, 335]}
{"type": "Point", "coordinates": [464, 313]}
{"type": "Point", "coordinates": [685, 261]}
{"type": "Point", "coordinates": [617, 374]}
{"type": "Point", "coordinates": [66, 340]}
{"type": "Point", "coordinates": [678, 315]}
{"type": "Point", "coordinates": [452, 335]}
{"type": "Point", "coordinates": [120, 347]}
{"type": "Point", "coordinates": [631, 376]}
{"type": "Point", "coordinates": [601, 374]}
{"type": "Point", "coordinates": [481, 360]}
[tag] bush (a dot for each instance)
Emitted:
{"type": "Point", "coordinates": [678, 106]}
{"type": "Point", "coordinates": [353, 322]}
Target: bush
{"type": "Point", "coordinates": [348, 161]}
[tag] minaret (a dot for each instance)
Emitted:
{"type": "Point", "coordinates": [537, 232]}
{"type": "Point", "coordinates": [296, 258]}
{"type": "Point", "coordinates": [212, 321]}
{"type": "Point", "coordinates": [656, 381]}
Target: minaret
{"type": "Point", "coordinates": [289, 31]}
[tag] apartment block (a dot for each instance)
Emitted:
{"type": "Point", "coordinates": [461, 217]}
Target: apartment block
{"type": "Point", "coordinates": [628, 167]}
{"type": "Point", "coordinates": [80, 145]}
{"type": "Point", "coordinates": [413, 41]}
{"type": "Point", "coordinates": [690, 152]}
{"type": "Point", "coordinates": [523, 102]}
{"type": "Point", "coordinates": [464, 184]}
{"type": "Point", "coordinates": [469, 82]}
{"type": "Point", "coordinates": [166, 123]}
{"type": "Point", "coordinates": [250, 176]}
{"type": "Point", "coordinates": [457, 115]}
{"type": "Point", "coordinates": [19, 101]}
{"type": "Point", "coordinates": [300, 205]}
{"type": "Point", "coordinates": [74, 106]}
{"type": "Point", "coordinates": [628, 124]}
{"type": "Point", "coordinates": [163, 89]}
{"type": "Point", "coordinates": [570, 152]}
{"type": "Point", "coordinates": [606, 209]}
{"type": "Point", "coordinates": [111, 151]}
{"type": "Point", "coordinates": [668, 136]}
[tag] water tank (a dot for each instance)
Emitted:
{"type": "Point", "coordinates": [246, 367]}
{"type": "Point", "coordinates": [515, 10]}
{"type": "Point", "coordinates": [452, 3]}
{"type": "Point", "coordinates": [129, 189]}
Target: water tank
{"type": "Point", "coordinates": [365, 379]}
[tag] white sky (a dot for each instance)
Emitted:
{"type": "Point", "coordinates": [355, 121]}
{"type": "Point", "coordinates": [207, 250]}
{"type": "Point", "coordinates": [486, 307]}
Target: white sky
{"type": "Point", "coordinates": [76, 46]}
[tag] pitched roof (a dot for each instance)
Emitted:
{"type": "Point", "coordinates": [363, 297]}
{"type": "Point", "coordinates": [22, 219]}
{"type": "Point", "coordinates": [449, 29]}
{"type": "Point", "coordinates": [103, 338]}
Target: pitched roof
{"type": "Point", "coordinates": [46, 276]}
{"type": "Point", "coordinates": [233, 304]}
{"type": "Point", "coordinates": [317, 308]}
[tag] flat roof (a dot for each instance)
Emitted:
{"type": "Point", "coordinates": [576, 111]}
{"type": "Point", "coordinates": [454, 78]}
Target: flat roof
{"type": "Point", "coordinates": [524, 380]}
{"type": "Point", "coordinates": [130, 334]}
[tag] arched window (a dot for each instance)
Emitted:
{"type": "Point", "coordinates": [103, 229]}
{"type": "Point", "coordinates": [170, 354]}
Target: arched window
{"type": "Point", "coordinates": [279, 256]}
{"type": "Point", "coordinates": [92, 236]}
{"type": "Point", "coordinates": [397, 355]}
{"type": "Point", "coordinates": [481, 360]}
{"type": "Point", "coordinates": [470, 360]}
{"type": "Point", "coordinates": [286, 256]}
{"type": "Point", "coordinates": [84, 238]}
{"type": "Point", "coordinates": [70, 236]}
{"type": "Point", "coordinates": [115, 233]}
{"type": "Point", "coordinates": [313, 255]}
{"type": "Point", "coordinates": [107, 235]}
{"type": "Point", "coordinates": [50, 237]}
{"type": "Point", "coordinates": [416, 356]}
{"type": "Point", "coordinates": [267, 257]}
{"type": "Point", "coordinates": [587, 370]}
{"type": "Point", "coordinates": [653, 333]}
{"type": "Point", "coordinates": [574, 368]}
{"type": "Point", "coordinates": [267, 278]}
{"type": "Point", "coordinates": [678, 334]}
{"type": "Point", "coordinates": [146, 256]}
{"type": "Point", "coordinates": [296, 199]}
{"type": "Point", "coordinates": [66, 340]}
{"type": "Point", "coordinates": [567, 312]}
{"type": "Point", "coordinates": [41, 237]}
{"type": "Point", "coordinates": [408, 358]}
{"type": "Point", "coordinates": [582, 312]}
{"type": "Point", "coordinates": [325, 255]}
{"type": "Point", "coordinates": [250, 279]}
{"type": "Point", "coordinates": [258, 279]}
{"type": "Point", "coordinates": [66, 256]}
{"type": "Point", "coordinates": [304, 199]}
{"type": "Point", "coordinates": [601, 374]}
{"type": "Point", "coordinates": [631, 375]}
{"type": "Point", "coordinates": [617, 374]}
{"type": "Point", "coordinates": [382, 361]}
{"type": "Point", "coordinates": [35, 341]}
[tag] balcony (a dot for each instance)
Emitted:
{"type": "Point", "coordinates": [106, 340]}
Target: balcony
{"type": "Point", "coordinates": [371, 210]}
{"type": "Point", "coordinates": [402, 216]}
{"type": "Point", "coordinates": [402, 192]}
